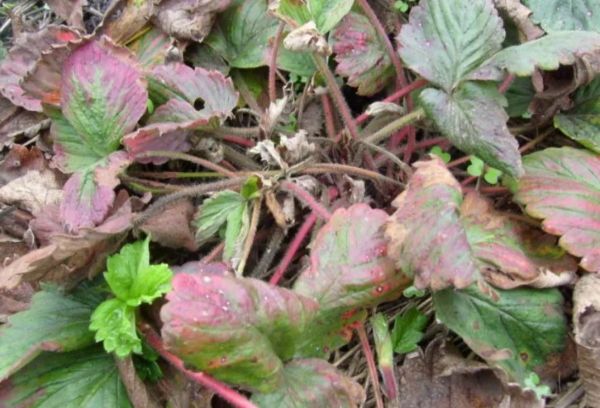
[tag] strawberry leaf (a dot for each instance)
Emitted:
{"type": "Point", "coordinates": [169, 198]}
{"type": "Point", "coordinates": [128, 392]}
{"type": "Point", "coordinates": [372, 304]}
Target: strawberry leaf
{"type": "Point", "coordinates": [517, 330]}
{"type": "Point", "coordinates": [360, 55]}
{"type": "Point", "coordinates": [151, 48]}
{"type": "Point", "coordinates": [54, 322]}
{"type": "Point", "coordinates": [325, 13]}
{"type": "Point", "coordinates": [582, 122]}
{"type": "Point", "coordinates": [114, 324]}
{"type": "Point", "coordinates": [557, 15]}
{"type": "Point", "coordinates": [312, 383]}
{"type": "Point", "coordinates": [238, 330]}
{"type": "Point", "coordinates": [86, 378]}
{"type": "Point", "coordinates": [473, 118]}
{"type": "Point", "coordinates": [560, 187]}
{"type": "Point", "coordinates": [131, 277]}
{"type": "Point", "coordinates": [408, 330]}
{"type": "Point", "coordinates": [446, 40]}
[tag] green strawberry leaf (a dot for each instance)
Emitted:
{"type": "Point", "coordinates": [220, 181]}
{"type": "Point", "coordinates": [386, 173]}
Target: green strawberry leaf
{"type": "Point", "coordinates": [214, 212]}
{"type": "Point", "coordinates": [312, 383]}
{"type": "Point", "coordinates": [519, 97]}
{"type": "Point", "coordinates": [325, 13]}
{"type": "Point", "coordinates": [114, 324]}
{"type": "Point", "coordinates": [473, 118]}
{"type": "Point", "coordinates": [582, 122]}
{"type": "Point", "coordinates": [408, 330]}
{"type": "Point", "coordinates": [517, 330]}
{"type": "Point", "coordinates": [131, 277]}
{"type": "Point", "coordinates": [446, 40]}
{"type": "Point", "coordinates": [558, 15]}
{"type": "Point", "coordinates": [86, 378]}
{"type": "Point", "coordinates": [560, 187]}
{"type": "Point", "coordinates": [54, 322]}
{"type": "Point", "coordinates": [151, 48]}
{"type": "Point", "coordinates": [236, 230]}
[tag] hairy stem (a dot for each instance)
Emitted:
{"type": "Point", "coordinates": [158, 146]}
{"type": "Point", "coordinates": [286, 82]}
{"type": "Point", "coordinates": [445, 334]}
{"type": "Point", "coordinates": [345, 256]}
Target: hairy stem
{"type": "Point", "coordinates": [214, 253]}
{"type": "Point", "coordinates": [327, 168]}
{"type": "Point", "coordinates": [368, 352]}
{"type": "Point", "coordinates": [261, 269]}
{"type": "Point", "coordinates": [305, 197]}
{"type": "Point", "coordinates": [247, 132]}
{"type": "Point", "coordinates": [395, 125]}
{"type": "Point", "coordinates": [189, 158]}
{"type": "Point", "coordinates": [273, 63]}
{"type": "Point", "coordinates": [329, 117]}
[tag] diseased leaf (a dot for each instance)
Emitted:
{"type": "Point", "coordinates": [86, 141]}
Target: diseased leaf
{"type": "Point", "coordinates": [426, 238]}
{"type": "Point", "coordinates": [151, 48]}
{"type": "Point", "coordinates": [131, 277]}
{"type": "Point", "coordinates": [114, 323]}
{"type": "Point", "coordinates": [238, 330]}
{"type": "Point", "coordinates": [325, 13]}
{"type": "Point", "coordinates": [446, 40]}
{"type": "Point", "coordinates": [547, 53]}
{"type": "Point", "coordinates": [408, 330]}
{"type": "Point", "coordinates": [53, 322]}
{"type": "Point", "coordinates": [312, 383]}
{"type": "Point", "coordinates": [214, 211]}
{"type": "Point", "coordinates": [360, 55]}
{"type": "Point", "coordinates": [473, 118]}
{"type": "Point", "coordinates": [582, 123]}
{"type": "Point", "coordinates": [86, 378]}
{"type": "Point", "coordinates": [560, 186]}
{"type": "Point", "coordinates": [557, 15]}
{"type": "Point", "coordinates": [516, 330]}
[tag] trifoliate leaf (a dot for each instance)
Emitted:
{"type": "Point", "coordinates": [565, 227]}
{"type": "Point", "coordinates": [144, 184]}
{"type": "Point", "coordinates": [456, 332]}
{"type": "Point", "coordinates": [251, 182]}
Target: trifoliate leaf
{"type": "Point", "coordinates": [214, 211]}
{"type": "Point", "coordinates": [408, 330]}
{"type": "Point", "coordinates": [131, 277]}
{"type": "Point", "coordinates": [86, 378]}
{"type": "Point", "coordinates": [325, 13]}
{"type": "Point", "coordinates": [517, 330]}
{"type": "Point", "coordinates": [54, 322]}
{"type": "Point", "coordinates": [560, 15]}
{"type": "Point", "coordinates": [114, 324]}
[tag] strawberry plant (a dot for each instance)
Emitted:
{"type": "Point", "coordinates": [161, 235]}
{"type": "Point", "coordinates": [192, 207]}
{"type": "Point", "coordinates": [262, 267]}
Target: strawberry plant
{"type": "Point", "coordinates": [344, 203]}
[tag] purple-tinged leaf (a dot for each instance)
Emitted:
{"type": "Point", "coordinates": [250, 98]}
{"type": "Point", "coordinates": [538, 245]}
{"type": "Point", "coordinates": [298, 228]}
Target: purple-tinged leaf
{"type": "Point", "coordinates": [160, 136]}
{"type": "Point", "coordinates": [312, 383]}
{"type": "Point", "coordinates": [23, 58]}
{"type": "Point", "coordinates": [152, 48]}
{"type": "Point", "coordinates": [360, 55]}
{"type": "Point", "coordinates": [561, 187]}
{"type": "Point", "coordinates": [238, 330]}
{"type": "Point", "coordinates": [426, 237]}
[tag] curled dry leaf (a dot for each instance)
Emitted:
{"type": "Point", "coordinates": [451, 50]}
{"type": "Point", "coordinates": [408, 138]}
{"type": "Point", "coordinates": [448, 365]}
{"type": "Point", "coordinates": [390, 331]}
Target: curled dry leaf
{"type": "Point", "coordinates": [189, 19]}
{"type": "Point", "coordinates": [125, 19]}
{"type": "Point", "coordinates": [171, 228]}
{"type": "Point", "coordinates": [520, 15]}
{"type": "Point", "coordinates": [33, 191]}
{"type": "Point", "coordinates": [586, 323]}
{"type": "Point", "coordinates": [307, 38]}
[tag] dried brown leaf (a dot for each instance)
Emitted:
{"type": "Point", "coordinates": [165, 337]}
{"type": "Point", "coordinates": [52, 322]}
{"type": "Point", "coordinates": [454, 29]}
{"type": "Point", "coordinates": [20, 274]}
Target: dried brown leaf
{"type": "Point", "coordinates": [171, 228]}
{"type": "Point", "coordinates": [188, 19]}
{"type": "Point", "coordinates": [520, 16]}
{"type": "Point", "coordinates": [139, 395]}
{"type": "Point", "coordinates": [33, 191]}
{"type": "Point", "coordinates": [69, 10]}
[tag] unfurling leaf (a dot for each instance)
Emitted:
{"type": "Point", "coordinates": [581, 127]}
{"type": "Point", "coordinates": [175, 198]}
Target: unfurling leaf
{"type": "Point", "coordinates": [86, 378]}
{"type": "Point", "coordinates": [312, 383]}
{"type": "Point", "coordinates": [558, 15]}
{"type": "Point", "coordinates": [238, 330]}
{"type": "Point", "coordinates": [446, 40]}
{"type": "Point", "coordinates": [54, 322]}
{"type": "Point", "coordinates": [560, 186]}
{"type": "Point", "coordinates": [325, 13]}
{"type": "Point", "coordinates": [408, 330]}
{"type": "Point", "coordinates": [360, 55]}
{"type": "Point", "coordinates": [516, 330]}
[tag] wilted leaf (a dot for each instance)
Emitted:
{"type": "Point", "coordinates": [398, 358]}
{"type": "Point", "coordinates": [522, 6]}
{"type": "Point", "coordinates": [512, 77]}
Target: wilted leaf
{"type": "Point", "coordinates": [188, 19]}
{"type": "Point", "coordinates": [586, 323]}
{"type": "Point", "coordinates": [325, 13]}
{"type": "Point", "coordinates": [360, 55]}
{"type": "Point", "coordinates": [307, 38]}
{"type": "Point", "coordinates": [560, 187]}
{"type": "Point", "coordinates": [547, 53]}
{"type": "Point", "coordinates": [312, 383]}
{"type": "Point", "coordinates": [473, 118]}
{"type": "Point", "coordinates": [408, 330]}
{"type": "Point", "coordinates": [114, 323]}
{"type": "Point", "coordinates": [171, 228]}
{"type": "Point", "coordinates": [86, 378]}
{"type": "Point", "coordinates": [426, 237]}
{"type": "Point", "coordinates": [557, 15]}
{"type": "Point", "coordinates": [516, 330]}
{"type": "Point", "coordinates": [582, 123]}
{"type": "Point", "coordinates": [238, 330]}
{"type": "Point", "coordinates": [22, 59]}
{"type": "Point", "coordinates": [446, 40]}
{"type": "Point", "coordinates": [54, 322]}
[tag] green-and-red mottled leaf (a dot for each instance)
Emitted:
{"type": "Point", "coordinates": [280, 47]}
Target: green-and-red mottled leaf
{"type": "Point", "coordinates": [172, 137]}
{"type": "Point", "coordinates": [349, 270]}
{"type": "Point", "coordinates": [312, 383]}
{"type": "Point", "coordinates": [151, 49]}
{"type": "Point", "coordinates": [426, 237]}
{"type": "Point", "coordinates": [238, 330]}
{"type": "Point", "coordinates": [360, 55]}
{"type": "Point", "coordinates": [561, 186]}
{"type": "Point", "coordinates": [24, 57]}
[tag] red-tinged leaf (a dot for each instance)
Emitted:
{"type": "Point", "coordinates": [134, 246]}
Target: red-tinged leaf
{"type": "Point", "coordinates": [68, 257]}
{"type": "Point", "coordinates": [511, 253]}
{"type": "Point", "coordinates": [360, 55]}
{"type": "Point", "coordinates": [89, 195]}
{"type": "Point", "coordinates": [238, 330]}
{"type": "Point", "coordinates": [312, 383]}
{"type": "Point", "coordinates": [24, 57]}
{"type": "Point", "coordinates": [160, 136]}
{"type": "Point", "coordinates": [426, 237]}
{"type": "Point", "coordinates": [151, 49]}
{"type": "Point", "coordinates": [561, 187]}
{"type": "Point", "coordinates": [196, 87]}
